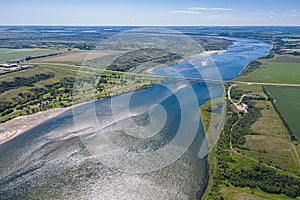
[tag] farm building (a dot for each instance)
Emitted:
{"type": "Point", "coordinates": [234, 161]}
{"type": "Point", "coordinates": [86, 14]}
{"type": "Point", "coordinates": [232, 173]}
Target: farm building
{"type": "Point", "coordinates": [8, 65]}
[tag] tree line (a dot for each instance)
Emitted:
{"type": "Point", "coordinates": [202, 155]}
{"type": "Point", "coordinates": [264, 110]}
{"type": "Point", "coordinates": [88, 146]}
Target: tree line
{"type": "Point", "coordinates": [21, 81]}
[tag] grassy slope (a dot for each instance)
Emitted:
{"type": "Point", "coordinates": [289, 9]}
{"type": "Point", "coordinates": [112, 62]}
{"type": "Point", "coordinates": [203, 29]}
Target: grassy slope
{"type": "Point", "coordinates": [288, 104]}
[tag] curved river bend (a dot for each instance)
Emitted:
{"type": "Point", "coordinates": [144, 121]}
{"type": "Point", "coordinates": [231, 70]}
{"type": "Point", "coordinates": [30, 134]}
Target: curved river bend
{"type": "Point", "coordinates": [47, 162]}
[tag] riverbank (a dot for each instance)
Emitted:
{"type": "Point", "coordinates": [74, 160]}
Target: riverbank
{"type": "Point", "coordinates": [212, 117]}
{"type": "Point", "coordinates": [19, 125]}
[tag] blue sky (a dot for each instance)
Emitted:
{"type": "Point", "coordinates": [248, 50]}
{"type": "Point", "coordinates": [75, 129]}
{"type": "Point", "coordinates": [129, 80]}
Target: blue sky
{"type": "Point", "coordinates": [150, 12]}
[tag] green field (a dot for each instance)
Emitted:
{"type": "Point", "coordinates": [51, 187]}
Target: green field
{"type": "Point", "coordinates": [15, 54]}
{"type": "Point", "coordinates": [288, 104]}
{"type": "Point", "coordinates": [275, 72]}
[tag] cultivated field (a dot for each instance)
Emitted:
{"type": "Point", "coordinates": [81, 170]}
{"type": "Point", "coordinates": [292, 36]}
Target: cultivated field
{"type": "Point", "coordinates": [286, 59]}
{"type": "Point", "coordinates": [76, 56]}
{"type": "Point", "coordinates": [287, 102]}
{"type": "Point", "coordinates": [275, 72]}
{"type": "Point", "coordinates": [15, 54]}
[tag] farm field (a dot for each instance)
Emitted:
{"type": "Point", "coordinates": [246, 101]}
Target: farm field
{"type": "Point", "coordinates": [286, 59]}
{"type": "Point", "coordinates": [288, 104]}
{"type": "Point", "coordinates": [274, 72]}
{"type": "Point", "coordinates": [75, 56]}
{"type": "Point", "coordinates": [15, 54]}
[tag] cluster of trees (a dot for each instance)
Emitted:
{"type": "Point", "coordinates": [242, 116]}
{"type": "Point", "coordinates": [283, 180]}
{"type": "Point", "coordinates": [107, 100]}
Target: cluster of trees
{"type": "Point", "coordinates": [5, 106]}
{"type": "Point", "coordinates": [265, 179]}
{"type": "Point", "coordinates": [222, 156]}
{"type": "Point", "coordinates": [210, 44]}
{"type": "Point", "coordinates": [243, 124]}
{"type": "Point", "coordinates": [106, 80]}
{"type": "Point", "coordinates": [21, 81]}
{"type": "Point", "coordinates": [65, 86]}
{"type": "Point", "coordinates": [280, 46]}
{"type": "Point", "coordinates": [115, 79]}
{"type": "Point", "coordinates": [251, 67]}
{"type": "Point", "coordinates": [84, 46]}
{"type": "Point", "coordinates": [133, 59]}
{"type": "Point", "coordinates": [57, 92]}
{"type": "Point", "coordinates": [42, 56]}
{"type": "Point", "coordinates": [236, 93]}
{"type": "Point", "coordinates": [42, 37]}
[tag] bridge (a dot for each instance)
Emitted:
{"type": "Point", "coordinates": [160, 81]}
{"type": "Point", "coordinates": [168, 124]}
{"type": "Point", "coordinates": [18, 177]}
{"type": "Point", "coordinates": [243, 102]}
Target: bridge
{"type": "Point", "coordinates": [192, 80]}
{"type": "Point", "coordinates": [195, 80]}
{"type": "Point", "coordinates": [211, 81]}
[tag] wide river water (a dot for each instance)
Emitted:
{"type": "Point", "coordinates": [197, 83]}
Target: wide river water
{"type": "Point", "coordinates": [114, 160]}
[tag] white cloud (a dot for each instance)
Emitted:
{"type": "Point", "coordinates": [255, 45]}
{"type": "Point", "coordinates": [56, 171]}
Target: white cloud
{"type": "Point", "coordinates": [200, 10]}
{"type": "Point", "coordinates": [186, 12]}
{"type": "Point", "coordinates": [210, 9]}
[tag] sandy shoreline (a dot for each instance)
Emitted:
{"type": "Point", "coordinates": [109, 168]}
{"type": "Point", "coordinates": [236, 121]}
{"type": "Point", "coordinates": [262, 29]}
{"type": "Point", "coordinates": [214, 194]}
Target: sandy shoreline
{"type": "Point", "coordinates": [19, 125]}
{"type": "Point", "coordinates": [209, 53]}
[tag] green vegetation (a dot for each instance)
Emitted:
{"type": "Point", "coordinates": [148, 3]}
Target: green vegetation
{"type": "Point", "coordinates": [254, 157]}
{"type": "Point", "coordinates": [250, 193]}
{"type": "Point", "coordinates": [84, 39]}
{"type": "Point", "coordinates": [234, 170]}
{"type": "Point", "coordinates": [20, 82]}
{"type": "Point", "coordinates": [246, 174]}
{"type": "Point", "coordinates": [251, 67]}
{"type": "Point", "coordinates": [286, 100]}
{"type": "Point", "coordinates": [210, 112]}
{"type": "Point", "coordinates": [274, 72]}
{"type": "Point", "coordinates": [211, 44]}
{"type": "Point", "coordinates": [242, 125]}
{"type": "Point", "coordinates": [21, 54]}
{"type": "Point", "coordinates": [212, 115]}
{"type": "Point", "coordinates": [50, 86]}
{"type": "Point", "coordinates": [130, 61]}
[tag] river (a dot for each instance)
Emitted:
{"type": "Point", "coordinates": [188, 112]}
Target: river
{"type": "Point", "coordinates": [112, 159]}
